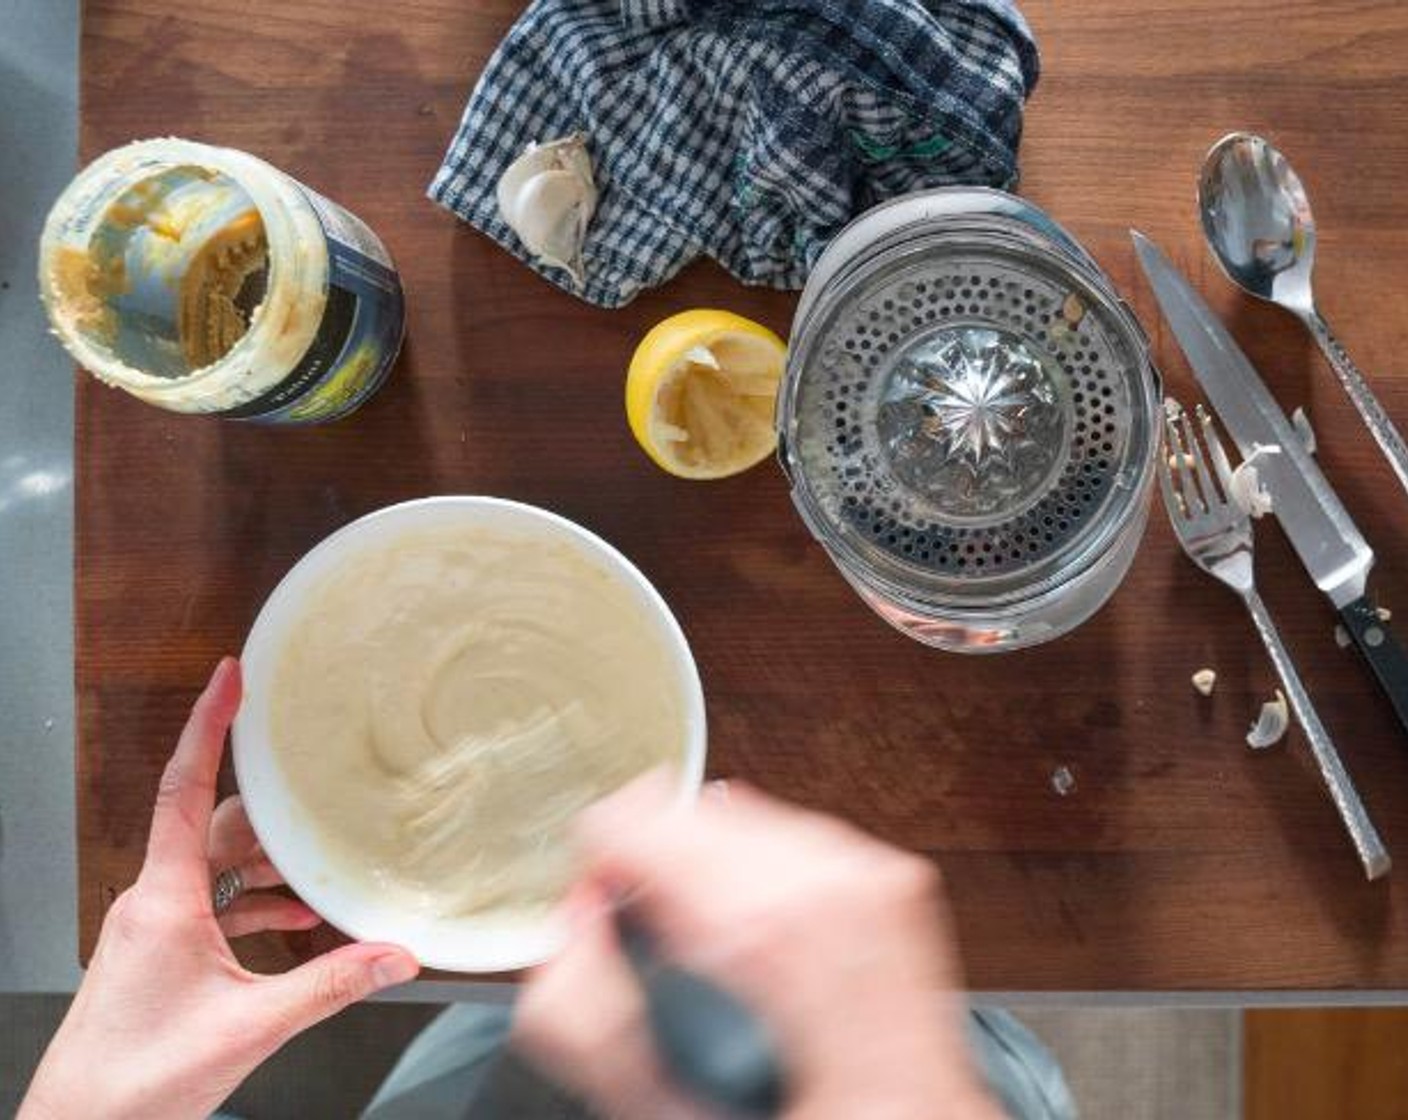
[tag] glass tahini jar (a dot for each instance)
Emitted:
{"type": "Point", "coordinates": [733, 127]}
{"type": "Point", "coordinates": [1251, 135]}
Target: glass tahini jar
{"type": "Point", "coordinates": [969, 420]}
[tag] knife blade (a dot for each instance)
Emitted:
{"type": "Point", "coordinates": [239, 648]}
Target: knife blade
{"type": "Point", "coordinates": [1320, 529]}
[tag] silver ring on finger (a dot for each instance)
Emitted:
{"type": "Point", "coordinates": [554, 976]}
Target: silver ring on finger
{"type": "Point", "coordinates": [229, 885]}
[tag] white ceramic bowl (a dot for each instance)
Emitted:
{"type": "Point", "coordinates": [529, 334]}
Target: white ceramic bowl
{"type": "Point", "coordinates": [465, 944]}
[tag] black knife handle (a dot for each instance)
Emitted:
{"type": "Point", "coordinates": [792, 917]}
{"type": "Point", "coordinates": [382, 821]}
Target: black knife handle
{"type": "Point", "coordinates": [1373, 638]}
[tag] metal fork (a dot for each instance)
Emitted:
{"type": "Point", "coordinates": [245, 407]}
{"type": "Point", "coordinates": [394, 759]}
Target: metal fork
{"type": "Point", "coordinates": [1216, 533]}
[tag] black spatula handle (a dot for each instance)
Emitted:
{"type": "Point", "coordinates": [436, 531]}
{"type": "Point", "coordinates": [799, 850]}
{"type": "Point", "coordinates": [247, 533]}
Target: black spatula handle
{"type": "Point", "coordinates": [713, 1045]}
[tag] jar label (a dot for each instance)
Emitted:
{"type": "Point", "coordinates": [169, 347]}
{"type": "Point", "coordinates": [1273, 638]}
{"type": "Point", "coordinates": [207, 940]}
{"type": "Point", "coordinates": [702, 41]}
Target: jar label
{"type": "Point", "coordinates": [358, 338]}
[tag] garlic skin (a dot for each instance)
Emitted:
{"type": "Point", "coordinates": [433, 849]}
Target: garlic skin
{"type": "Point", "coordinates": [1245, 487]}
{"type": "Point", "coordinates": [1301, 423]}
{"type": "Point", "coordinates": [548, 196]}
{"type": "Point", "coordinates": [1271, 724]}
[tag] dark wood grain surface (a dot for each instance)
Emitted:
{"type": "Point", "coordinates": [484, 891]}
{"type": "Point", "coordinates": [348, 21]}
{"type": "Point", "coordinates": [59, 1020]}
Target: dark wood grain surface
{"type": "Point", "coordinates": [1179, 860]}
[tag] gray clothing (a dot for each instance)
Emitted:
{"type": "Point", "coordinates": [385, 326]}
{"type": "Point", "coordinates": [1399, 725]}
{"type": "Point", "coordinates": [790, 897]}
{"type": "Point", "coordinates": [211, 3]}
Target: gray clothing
{"type": "Point", "coordinates": [459, 1068]}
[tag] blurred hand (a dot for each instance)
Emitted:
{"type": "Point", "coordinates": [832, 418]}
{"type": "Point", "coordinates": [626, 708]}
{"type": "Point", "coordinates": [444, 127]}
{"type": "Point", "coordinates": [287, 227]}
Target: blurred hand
{"type": "Point", "coordinates": [838, 942]}
{"type": "Point", "coordinates": [167, 1023]}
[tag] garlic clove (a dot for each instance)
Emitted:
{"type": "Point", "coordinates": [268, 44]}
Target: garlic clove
{"type": "Point", "coordinates": [1271, 723]}
{"type": "Point", "coordinates": [1204, 680]}
{"type": "Point", "coordinates": [547, 196]}
{"type": "Point", "coordinates": [567, 154]}
{"type": "Point", "coordinates": [550, 219]}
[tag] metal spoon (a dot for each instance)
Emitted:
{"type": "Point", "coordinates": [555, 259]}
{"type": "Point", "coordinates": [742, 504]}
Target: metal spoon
{"type": "Point", "coordinates": [1257, 218]}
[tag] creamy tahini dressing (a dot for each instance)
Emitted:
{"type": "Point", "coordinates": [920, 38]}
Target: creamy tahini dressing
{"type": "Point", "coordinates": [446, 706]}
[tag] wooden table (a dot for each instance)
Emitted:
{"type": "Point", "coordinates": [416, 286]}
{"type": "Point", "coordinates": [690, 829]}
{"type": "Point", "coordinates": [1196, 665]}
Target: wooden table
{"type": "Point", "coordinates": [1179, 860]}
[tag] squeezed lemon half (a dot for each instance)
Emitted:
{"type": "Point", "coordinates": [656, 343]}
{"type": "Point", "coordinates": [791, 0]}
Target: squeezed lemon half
{"type": "Point", "coordinates": [701, 392]}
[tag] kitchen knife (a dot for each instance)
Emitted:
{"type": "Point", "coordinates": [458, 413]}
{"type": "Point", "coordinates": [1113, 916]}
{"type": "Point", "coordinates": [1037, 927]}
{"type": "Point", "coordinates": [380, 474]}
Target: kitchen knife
{"type": "Point", "coordinates": [1319, 527]}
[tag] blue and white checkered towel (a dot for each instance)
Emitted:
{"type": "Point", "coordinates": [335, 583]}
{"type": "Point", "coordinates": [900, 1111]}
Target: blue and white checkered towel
{"type": "Point", "coordinates": [747, 130]}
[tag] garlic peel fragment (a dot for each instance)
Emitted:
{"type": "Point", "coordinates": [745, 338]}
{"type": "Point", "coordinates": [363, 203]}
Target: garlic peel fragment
{"type": "Point", "coordinates": [1301, 423]}
{"type": "Point", "coordinates": [1271, 723]}
{"type": "Point", "coordinates": [1204, 680]}
{"type": "Point", "coordinates": [547, 196]}
{"type": "Point", "coordinates": [1245, 487]}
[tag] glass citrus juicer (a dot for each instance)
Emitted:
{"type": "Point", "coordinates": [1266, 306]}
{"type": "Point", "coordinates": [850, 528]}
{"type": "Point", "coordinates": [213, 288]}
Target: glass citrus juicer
{"type": "Point", "coordinates": [968, 420]}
